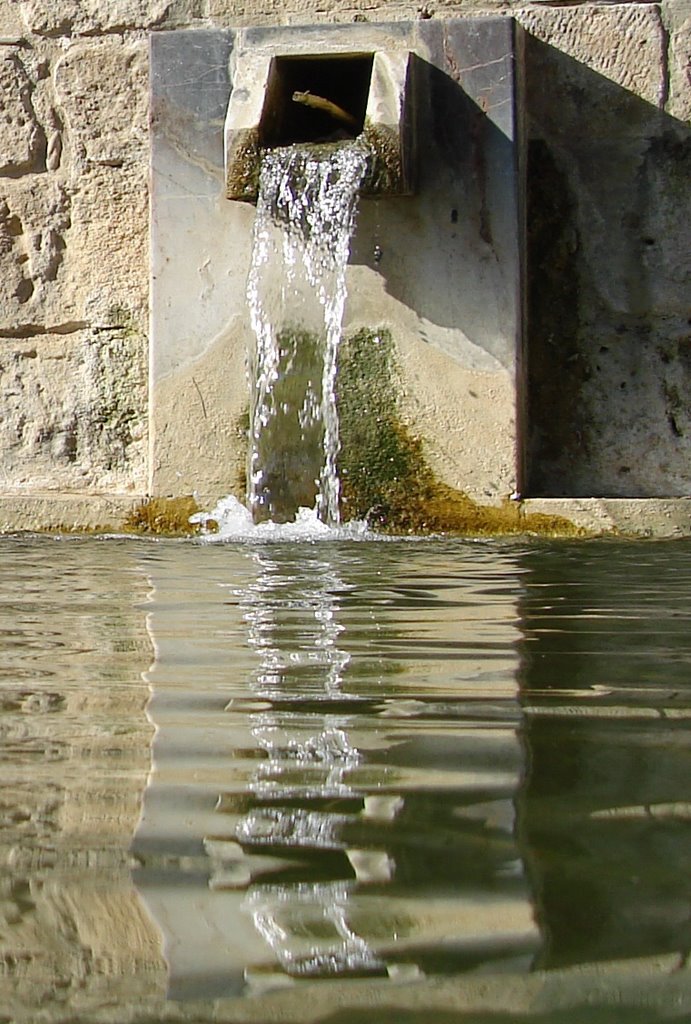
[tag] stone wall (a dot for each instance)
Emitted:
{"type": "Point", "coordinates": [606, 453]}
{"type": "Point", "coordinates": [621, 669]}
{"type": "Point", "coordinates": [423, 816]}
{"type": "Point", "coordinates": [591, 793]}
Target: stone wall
{"type": "Point", "coordinates": [609, 157]}
{"type": "Point", "coordinates": [73, 238]}
{"type": "Point", "coordinates": [609, 343]}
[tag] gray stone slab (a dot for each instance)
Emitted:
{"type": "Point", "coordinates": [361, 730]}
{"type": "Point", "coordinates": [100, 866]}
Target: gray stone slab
{"type": "Point", "coordinates": [441, 268]}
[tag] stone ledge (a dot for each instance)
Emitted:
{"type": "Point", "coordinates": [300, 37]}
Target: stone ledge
{"type": "Point", "coordinates": [48, 512]}
{"type": "Point", "coordinates": [636, 517]}
{"type": "Point", "coordinates": [102, 513]}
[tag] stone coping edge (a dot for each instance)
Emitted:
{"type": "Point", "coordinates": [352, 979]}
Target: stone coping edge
{"type": "Point", "coordinates": [66, 513]}
{"type": "Point", "coordinates": [635, 517]}
{"type": "Point", "coordinates": [619, 989]}
{"type": "Point", "coordinates": [103, 513]}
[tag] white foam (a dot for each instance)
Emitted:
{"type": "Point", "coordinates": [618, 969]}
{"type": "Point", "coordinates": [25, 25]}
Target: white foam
{"type": "Point", "coordinates": [234, 523]}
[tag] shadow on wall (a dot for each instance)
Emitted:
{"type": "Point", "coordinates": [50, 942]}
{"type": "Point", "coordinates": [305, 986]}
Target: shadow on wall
{"type": "Point", "coordinates": [609, 271]}
{"type": "Point", "coordinates": [452, 252]}
{"type": "Point", "coordinates": [608, 339]}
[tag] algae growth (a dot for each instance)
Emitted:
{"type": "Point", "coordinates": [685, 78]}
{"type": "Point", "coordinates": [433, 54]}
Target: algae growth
{"type": "Point", "coordinates": [286, 428]}
{"type": "Point", "coordinates": [169, 517]}
{"type": "Point", "coordinates": [384, 174]}
{"type": "Point", "coordinates": [385, 476]}
{"type": "Point", "coordinates": [384, 473]}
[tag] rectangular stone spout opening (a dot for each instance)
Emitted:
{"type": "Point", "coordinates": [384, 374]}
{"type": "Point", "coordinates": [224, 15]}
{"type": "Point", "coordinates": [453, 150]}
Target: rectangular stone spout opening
{"type": "Point", "coordinates": [315, 99]}
{"type": "Point", "coordinates": [326, 99]}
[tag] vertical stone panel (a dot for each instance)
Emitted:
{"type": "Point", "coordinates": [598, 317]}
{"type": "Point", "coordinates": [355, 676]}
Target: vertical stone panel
{"type": "Point", "coordinates": [446, 280]}
{"type": "Point", "coordinates": [608, 257]}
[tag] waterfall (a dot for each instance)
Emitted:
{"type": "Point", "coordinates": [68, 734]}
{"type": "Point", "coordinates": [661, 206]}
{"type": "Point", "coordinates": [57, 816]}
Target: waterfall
{"type": "Point", "coordinates": [296, 295]}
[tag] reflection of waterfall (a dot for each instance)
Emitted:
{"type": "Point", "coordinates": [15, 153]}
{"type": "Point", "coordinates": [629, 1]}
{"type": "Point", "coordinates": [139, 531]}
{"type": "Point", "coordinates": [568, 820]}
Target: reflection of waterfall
{"type": "Point", "coordinates": [335, 764]}
{"type": "Point", "coordinates": [309, 759]}
{"type": "Point", "coordinates": [296, 295]}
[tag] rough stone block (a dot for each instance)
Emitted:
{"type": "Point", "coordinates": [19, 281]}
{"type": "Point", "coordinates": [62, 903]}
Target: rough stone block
{"type": "Point", "coordinates": [23, 140]}
{"type": "Point", "coordinates": [35, 219]}
{"type": "Point", "coordinates": [12, 26]}
{"type": "Point", "coordinates": [74, 412]}
{"type": "Point", "coordinates": [90, 17]}
{"type": "Point", "coordinates": [102, 95]}
{"type": "Point", "coordinates": [624, 46]}
{"type": "Point", "coordinates": [102, 90]}
{"type": "Point", "coordinates": [677, 18]}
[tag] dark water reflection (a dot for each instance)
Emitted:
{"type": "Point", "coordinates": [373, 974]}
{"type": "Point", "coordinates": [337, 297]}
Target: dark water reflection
{"type": "Point", "coordinates": [445, 779]}
{"type": "Point", "coordinates": [605, 817]}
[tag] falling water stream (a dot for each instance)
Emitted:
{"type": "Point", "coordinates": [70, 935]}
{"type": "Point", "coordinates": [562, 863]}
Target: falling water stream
{"type": "Point", "coordinates": [296, 294]}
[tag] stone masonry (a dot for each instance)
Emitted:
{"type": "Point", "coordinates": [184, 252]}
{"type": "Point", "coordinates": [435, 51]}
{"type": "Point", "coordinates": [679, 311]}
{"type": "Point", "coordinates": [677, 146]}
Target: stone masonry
{"type": "Point", "coordinates": [608, 373]}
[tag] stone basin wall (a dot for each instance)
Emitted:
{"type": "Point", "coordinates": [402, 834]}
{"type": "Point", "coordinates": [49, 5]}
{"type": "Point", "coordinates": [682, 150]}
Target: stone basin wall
{"type": "Point", "coordinates": [608, 103]}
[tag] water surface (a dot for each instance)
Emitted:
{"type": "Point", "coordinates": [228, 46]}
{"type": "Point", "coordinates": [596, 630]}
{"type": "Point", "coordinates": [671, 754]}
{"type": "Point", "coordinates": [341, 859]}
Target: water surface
{"type": "Point", "coordinates": [416, 781]}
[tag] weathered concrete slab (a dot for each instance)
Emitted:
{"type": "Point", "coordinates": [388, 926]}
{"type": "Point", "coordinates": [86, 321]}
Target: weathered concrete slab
{"type": "Point", "coordinates": [68, 512]}
{"type": "Point", "coordinates": [652, 517]}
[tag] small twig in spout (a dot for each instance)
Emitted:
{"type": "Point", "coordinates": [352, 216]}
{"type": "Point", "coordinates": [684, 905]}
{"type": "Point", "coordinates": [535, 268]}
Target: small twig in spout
{"type": "Point", "coordinates": [308, 99]}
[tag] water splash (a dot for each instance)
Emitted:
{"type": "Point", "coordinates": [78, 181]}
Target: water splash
{"type": "Point", "coordinates": [230, 520]}
{"type": "Point", "coordinates": [296, 294]}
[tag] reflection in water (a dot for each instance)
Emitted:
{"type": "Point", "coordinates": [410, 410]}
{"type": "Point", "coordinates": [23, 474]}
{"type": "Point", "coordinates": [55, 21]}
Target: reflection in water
{"type": "Point", "coordinates": [309, 760]}
{"type": "Point", "coordinates": [74, 758]}
{"type": "Point", "coordinates": [363, 801]}
{"type": "Point", "coordinates": [347, 784]}
{"type": "Point", "coordinates": [606, 809]}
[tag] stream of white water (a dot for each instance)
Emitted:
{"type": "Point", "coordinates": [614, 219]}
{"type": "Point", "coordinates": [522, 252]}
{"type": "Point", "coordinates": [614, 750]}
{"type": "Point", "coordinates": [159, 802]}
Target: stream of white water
{"type": "Point", "coordinates": [296, 294]}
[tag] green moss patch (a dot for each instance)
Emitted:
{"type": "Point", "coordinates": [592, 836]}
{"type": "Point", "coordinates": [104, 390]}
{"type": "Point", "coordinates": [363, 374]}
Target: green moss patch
{"type": "Point", "coordinates": [169, 517]}
{"type": "Point", "coordinates": [385, 477]}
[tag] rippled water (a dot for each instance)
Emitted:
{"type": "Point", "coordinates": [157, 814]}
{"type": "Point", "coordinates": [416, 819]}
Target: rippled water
{"type": "Point", "coordinates": [409, 781]}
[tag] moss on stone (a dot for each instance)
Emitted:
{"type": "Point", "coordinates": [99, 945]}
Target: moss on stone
{"type": "Point", "coordinates": [290, 444]}
{"type": "Point", "coordinates": [169, 517]}
{"type": "Point", "coordinates": [384, 175]}
{"type": "Point", "coordinates": [244, 161]}
{"type": "Point", "coordinates": [120, 317]}
{"type": "Point", "coordinates": [385, 477]}
{"type": "Point", "coordinates": [241, 431]}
